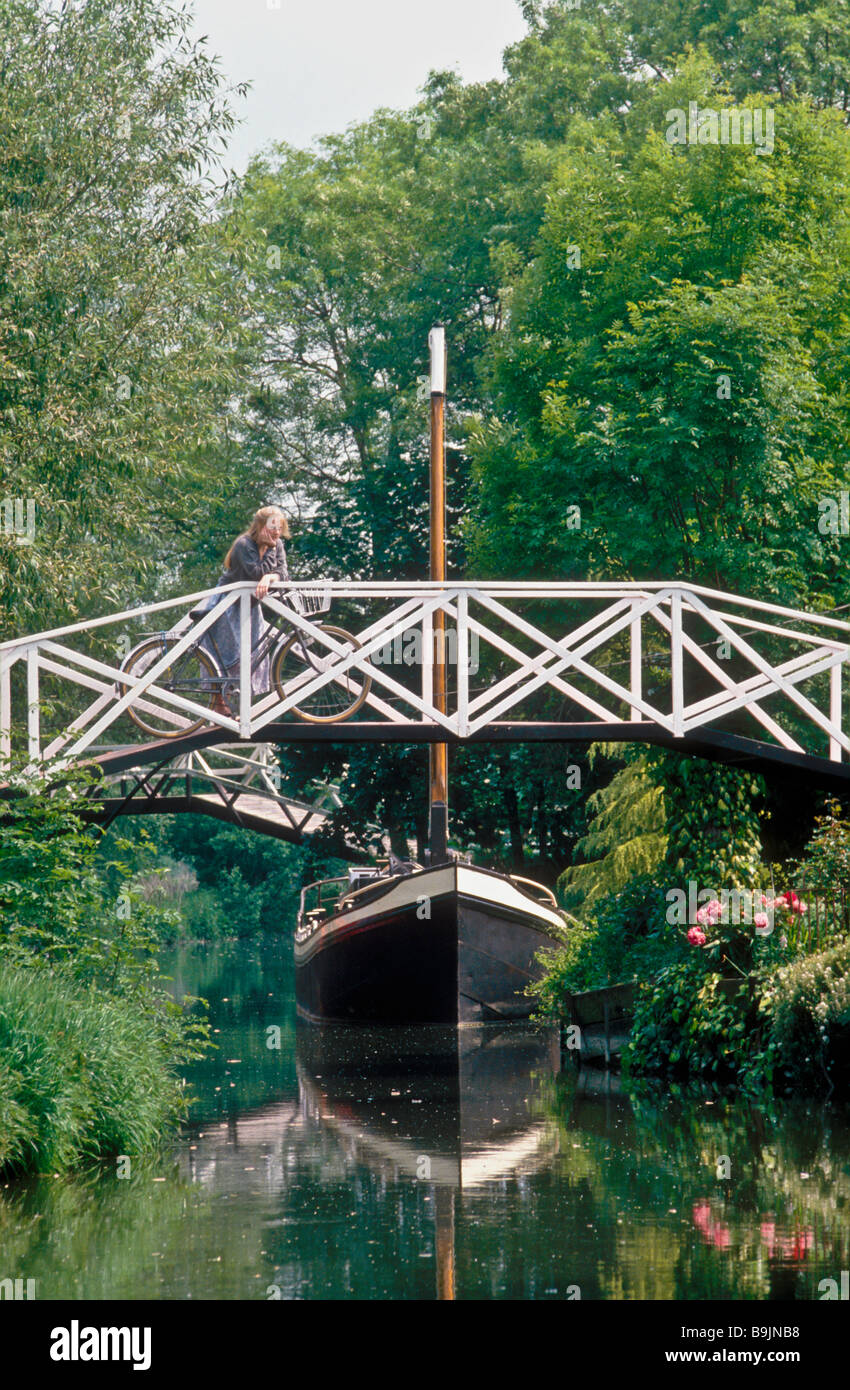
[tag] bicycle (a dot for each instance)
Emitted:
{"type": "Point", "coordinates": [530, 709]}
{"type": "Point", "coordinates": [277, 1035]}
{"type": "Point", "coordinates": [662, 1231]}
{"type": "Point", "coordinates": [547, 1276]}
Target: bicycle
{"type": "Point", "coordinates": [201, 676]}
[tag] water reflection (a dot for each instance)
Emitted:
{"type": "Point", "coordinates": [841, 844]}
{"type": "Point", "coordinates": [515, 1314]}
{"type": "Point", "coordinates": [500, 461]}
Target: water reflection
{"type": "Point", "coordinates": [413, 1164]}
{"type": "Point", "coordinates": [452, 1107]}
{"type": "Point", "coordinates": [420, 1113]}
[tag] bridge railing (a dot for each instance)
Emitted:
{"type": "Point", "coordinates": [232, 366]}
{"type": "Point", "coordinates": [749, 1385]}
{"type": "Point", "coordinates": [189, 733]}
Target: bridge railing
{"type": "Point", "coordinates": [668, 656]}
{"type": "Point", "coordinates": [236, 775]}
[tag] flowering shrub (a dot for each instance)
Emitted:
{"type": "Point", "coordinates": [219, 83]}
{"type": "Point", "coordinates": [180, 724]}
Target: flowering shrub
{"type": "Point", "coordinates": [806, 1009]}
{"type": "Point", "coordinates": [778, 1021]}
{"type": "Point", "coordinates": [790, 900]}
{"type": "Point", "coordinates": [787, 1029]}
{"type": "Point", "coordinates": [728, 927]}
{"type": "Point", "coordinates": [717, 911]}
{"type": "Point", "coordinates": [710, 914]}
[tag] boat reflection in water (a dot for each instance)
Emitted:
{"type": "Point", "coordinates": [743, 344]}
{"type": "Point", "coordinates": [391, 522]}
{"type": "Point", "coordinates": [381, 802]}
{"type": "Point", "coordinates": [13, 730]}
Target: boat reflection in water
{"type": "Point", "coordinates": [445, 1106]}
{"type": "Point", "coordinates": [444, 1109]}
{"type": "Point", "coordinates": [458, 1098]}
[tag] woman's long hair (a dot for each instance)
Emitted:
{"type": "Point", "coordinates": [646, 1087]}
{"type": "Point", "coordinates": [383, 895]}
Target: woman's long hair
{"type": "Point", "coordinates": [260, 518]}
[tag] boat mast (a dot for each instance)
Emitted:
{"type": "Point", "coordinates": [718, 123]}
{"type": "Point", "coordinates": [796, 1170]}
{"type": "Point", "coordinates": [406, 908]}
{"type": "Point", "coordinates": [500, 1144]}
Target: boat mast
{"type": "Point", "coordinates": [439, 788]}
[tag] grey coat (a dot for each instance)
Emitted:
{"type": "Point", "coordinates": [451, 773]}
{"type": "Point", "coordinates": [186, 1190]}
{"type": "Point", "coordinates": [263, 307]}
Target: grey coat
{"type": "Point", "coordinates": [245, 564]}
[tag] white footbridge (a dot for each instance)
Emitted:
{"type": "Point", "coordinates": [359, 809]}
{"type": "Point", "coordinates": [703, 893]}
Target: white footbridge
{"type": "Point", "coordinates": [140, 694]}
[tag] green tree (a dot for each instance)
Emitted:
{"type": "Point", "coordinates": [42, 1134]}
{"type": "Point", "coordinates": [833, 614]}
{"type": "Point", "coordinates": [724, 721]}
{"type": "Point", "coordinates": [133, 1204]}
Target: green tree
{"type": "Point", "coordinates": [679, 385]}
{"type": "Point", "coordinates": [118, 295]}
{"type": "Point", "coordinates": [626, 833]}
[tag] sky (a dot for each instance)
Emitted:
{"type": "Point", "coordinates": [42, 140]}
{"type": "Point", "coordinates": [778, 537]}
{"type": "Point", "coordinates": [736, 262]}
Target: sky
{"type": "Point", "coordinates": [320, 65]}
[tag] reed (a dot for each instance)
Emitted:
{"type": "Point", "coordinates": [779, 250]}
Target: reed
{"type": "Point", "coordinates": [83, 1076]}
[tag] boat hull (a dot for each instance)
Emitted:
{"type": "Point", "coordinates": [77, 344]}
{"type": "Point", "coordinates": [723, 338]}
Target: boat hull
{"type": "Point", "coordinates": [446, 945]}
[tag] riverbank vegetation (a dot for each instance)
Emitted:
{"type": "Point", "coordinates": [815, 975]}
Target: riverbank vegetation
{"type": "Point", "coordinates": [211, 880]}
{"type": "Point", "coordinates": [756, 992]}
{"type": "Point", "coordinates": [91, 1040]}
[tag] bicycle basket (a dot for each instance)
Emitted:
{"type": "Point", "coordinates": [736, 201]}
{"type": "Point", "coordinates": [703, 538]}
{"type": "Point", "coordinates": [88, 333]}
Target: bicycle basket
{"type": "Point", "coordinates": [312, 600]}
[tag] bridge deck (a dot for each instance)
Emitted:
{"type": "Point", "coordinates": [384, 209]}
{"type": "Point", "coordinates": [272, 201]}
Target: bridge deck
{"type": "Point", "coordinates": [713, 744]}
{"type": "Point", "coordinates": [289, 821]}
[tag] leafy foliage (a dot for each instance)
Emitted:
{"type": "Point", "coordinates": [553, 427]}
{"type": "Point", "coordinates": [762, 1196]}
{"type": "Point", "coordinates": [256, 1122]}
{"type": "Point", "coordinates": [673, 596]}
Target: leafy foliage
{"type": "Point", "coordinates": [249, 882]}
{"type": "Point", "coordinates": [624, 937]}
{"type": "Point", "coordinates": [825, 865]}
{"type": "Point", "coordinates": [625, 839]}
{"type": "Point", "coordinates": [697, 265]}
{"type": "Point", "coordinates": [806, 1008]}
{"type": "Point", "coordinates": [89, 1036]}
{"type": "Point", "coordinates": [685, 1023]}
{"type": "Point", "coordinates": [789, 1029]}
{"type": "Point", "coordinates": [712, 822]}
{"type": "Point", "coordinates": [83, 1075]}
{"type": "Point", "coordinates": [118, 319]}
{"type": "Point", "coordinates": [55, 908]}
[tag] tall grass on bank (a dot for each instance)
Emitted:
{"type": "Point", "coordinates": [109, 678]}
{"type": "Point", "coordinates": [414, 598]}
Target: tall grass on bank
{"type": "Point", "coordinates": [90, 1037]}
{"type": "Point", "coordinates": [83, 1077]}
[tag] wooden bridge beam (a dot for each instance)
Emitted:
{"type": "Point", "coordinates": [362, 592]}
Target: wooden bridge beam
{"type": "Point", "coordinates": [715, 745]}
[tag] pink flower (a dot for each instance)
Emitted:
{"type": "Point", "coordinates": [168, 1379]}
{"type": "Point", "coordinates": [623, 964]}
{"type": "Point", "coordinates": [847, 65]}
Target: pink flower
{"type": "Point", "coordinates": [781, 901]}
{"type": "Point", "coordinates": [696, 936]}
{"type": "Point", "coordinates": [761, 919]}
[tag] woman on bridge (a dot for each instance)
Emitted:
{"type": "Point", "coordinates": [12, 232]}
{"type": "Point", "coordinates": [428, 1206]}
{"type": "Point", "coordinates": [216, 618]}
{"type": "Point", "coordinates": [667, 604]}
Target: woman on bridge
{"type": "Point", "coordinates": [258, 555]}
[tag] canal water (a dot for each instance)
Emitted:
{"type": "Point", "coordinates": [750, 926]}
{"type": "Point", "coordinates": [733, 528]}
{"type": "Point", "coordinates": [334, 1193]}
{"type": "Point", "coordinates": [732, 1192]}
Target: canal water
{"type": "Point", "coordinates": [344, 1163]}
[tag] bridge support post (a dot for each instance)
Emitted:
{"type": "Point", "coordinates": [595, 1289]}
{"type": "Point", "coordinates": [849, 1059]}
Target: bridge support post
{"type": "Point", "coordinates": [245, 665]}
{"type": "Point", "coordinates": [676, 665]}
{"type": "Point", "coordinates": [463, 664]}
{"type": "Point", "coordinates": [427, 663]}
{"type": "Point", "coordinates": [835, 710]}
{"type": "Point", "coordinates": [5, 711]}
{"type": "Point", "coordinates": [636, 673]}
{"type": "Point", "coordinates": [33, 719]}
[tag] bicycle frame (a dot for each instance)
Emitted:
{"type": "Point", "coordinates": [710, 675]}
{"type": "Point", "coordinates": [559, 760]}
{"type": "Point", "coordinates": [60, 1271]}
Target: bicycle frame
{"type": "Point", "coordinates": [276, 627]}
{"type": "Point", "coordinates": [264, 647]}
{"type": "Point", "coordinates": [295, 656]}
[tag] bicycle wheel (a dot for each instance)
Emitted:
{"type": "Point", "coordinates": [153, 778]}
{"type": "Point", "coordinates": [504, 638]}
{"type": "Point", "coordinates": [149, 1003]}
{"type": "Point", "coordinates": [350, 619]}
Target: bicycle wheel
{"type": "Point", "coordinates": [337, 700]}
{"type": "Point", "coordinates": [192, 675]}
